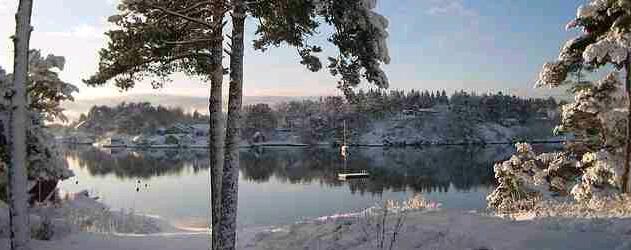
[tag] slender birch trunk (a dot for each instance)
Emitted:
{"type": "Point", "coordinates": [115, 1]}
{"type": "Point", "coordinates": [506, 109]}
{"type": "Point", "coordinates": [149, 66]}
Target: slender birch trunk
{"type": "Point", "coordinates": [230, 190]}
{"type": "Point", "coordinates": [627, 157]}
{"type": "Point", "coordinates": [18, 213]}
{"type": "Point", "coordinates": [215, 135]}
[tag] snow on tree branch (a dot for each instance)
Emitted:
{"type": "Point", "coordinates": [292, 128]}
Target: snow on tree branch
{"type": "Point", "coordinates": [526, 177]}
{"type": "Point", "coordinates": [613, 48]}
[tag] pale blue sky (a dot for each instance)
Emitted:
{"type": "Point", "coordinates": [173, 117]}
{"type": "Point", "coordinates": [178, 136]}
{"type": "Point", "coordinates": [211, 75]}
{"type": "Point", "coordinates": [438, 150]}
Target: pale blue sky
{"type": "Point", "coordinates": [482, 45]}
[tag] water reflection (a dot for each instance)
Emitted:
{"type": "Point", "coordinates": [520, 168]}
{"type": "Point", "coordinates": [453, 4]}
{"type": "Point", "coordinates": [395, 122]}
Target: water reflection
{"type": "Point", "coordinates": [434, 169]}
{"type": "Point", "coordinates": [137, 164]}
{"type": "Point", "coordinates": [280, 186]}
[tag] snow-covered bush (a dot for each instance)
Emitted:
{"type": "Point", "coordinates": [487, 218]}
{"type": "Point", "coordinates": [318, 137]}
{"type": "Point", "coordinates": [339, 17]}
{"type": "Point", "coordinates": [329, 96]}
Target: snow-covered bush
{"type": "Point", "coordinates": [527, 177]}
{"type": "Point", "coordinates": [602, 173]}
{"type": "Point", "coordinates": [374, 221]}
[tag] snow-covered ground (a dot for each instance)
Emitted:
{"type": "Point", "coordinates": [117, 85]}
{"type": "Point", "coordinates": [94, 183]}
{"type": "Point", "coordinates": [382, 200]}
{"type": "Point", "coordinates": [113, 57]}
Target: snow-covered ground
{"type": "Point", "coordinates": [456, 230]}
{"type": "Point", "coordinates": [421, 229]}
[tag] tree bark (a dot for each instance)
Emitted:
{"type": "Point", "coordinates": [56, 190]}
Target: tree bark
{"type": "Point", "coordinates": [627, 157]}
{"type": "Point", "coordinates": [215, 135]}
{"type": "Point", "coordinates": [19, 122]}
{"type": "Point", "coordinates": [228, 224]}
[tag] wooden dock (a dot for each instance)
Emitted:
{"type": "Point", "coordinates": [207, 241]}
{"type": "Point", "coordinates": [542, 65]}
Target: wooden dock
{"type": "Point", "coordinates": [355, 175]}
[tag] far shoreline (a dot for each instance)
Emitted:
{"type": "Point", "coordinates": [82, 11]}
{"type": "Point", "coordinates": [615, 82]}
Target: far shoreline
{"type": "Point", "coordinates": [302, 145]}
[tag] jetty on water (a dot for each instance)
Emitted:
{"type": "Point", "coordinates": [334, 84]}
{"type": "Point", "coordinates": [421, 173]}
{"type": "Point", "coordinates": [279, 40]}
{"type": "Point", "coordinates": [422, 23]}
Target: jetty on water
{"type": "Point", "coordinates": [353, 175]}
{"type": "Point", "coordinates": [342, 176]}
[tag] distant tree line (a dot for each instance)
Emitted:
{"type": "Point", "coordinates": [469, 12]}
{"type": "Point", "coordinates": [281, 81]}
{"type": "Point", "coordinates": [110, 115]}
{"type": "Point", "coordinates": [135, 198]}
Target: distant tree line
{"type": "Point", "coordinates": [315, 120]}
{"type": "Point", "coordinates": [324, 118]}
{"type": "Point", "coordinates": [381, 103]}
{"type": "Point", "coordinates": [134, 118]}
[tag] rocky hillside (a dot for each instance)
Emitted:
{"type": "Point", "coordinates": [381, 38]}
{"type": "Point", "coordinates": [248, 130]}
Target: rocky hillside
{"type": "Point", "coordinates": [442, 127]}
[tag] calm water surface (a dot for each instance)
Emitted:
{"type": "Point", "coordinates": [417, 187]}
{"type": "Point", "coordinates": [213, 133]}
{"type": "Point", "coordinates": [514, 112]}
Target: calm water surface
{"type": "Point", "coordinates": [279, 186]}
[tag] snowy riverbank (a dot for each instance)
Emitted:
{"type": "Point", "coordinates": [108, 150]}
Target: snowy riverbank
{"type": "Point", "coordinates": [457, 230]}
{"type": "Point", "coordinates": [420, 229]}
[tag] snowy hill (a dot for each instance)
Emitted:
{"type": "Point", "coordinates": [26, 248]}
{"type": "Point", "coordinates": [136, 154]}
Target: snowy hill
{"type": "Point", "coordinates": [442, 127]}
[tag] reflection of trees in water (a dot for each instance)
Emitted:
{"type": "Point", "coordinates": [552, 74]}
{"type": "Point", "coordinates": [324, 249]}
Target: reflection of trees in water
{"type": "Point", "coordinates": [432, 169]}
{"type": "Point", "coordinates": [435, 169]}
{"type": "Point", "coordinates": [289, 165]}
{"type": "Point", "coordinates": [143, 164]}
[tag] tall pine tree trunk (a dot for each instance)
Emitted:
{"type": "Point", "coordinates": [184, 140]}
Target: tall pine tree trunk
{"type": "Point", "coordinates": [215, 135]}
{"type": "Point", "coordinates": [627, 157]}
{"type": "Point", "coordinates": [18, 210]}
{"type": "Point", "coordinates": [230, 183]}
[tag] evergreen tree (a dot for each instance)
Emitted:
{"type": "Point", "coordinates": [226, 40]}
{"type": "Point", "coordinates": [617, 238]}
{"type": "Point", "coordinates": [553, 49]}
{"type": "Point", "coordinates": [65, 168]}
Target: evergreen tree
{"type": "Point", "coordinates": [444, 97]}
{"type": "Point", "coordinates": [155, 38]}
{"type": "Point", "coordinates": [605, 40]}
{"type": "Point", "coordinates": [594, 165]}
{"type": "Point", "coordinates": [158, 37]}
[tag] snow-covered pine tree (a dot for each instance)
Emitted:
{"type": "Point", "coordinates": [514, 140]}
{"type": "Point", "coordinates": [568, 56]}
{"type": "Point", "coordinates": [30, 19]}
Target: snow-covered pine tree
{"type": "Point", "coordinates": [596, 118]}
{"type": "Point", "coordinates": [606, 26]}
{"type": "Point", "coordinates": [155, 38]}
{"type": "Point", "coordinates": [293, 22]}
{"type": "Point", "coordinates": [18, 124]}
{"type": "Point", "coordinates": [148, 45]}
{"type": "Point", "coordinates": [46, 91]}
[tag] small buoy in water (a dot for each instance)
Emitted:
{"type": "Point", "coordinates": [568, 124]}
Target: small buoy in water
{"type": "Point", "coordinates": [137, 189]}
{"type": "Point", "coordinates": [344, 151]}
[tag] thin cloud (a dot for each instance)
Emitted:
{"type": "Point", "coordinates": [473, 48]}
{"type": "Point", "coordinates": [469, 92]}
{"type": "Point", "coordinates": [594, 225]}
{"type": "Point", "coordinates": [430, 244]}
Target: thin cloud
{"type": "Point", "coordinates": [466, 23]}
{"type": "Point", "coordinates": [450, 8]}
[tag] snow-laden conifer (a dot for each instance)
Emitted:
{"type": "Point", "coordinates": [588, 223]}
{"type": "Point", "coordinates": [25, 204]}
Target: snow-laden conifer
{"type": "Point", "coordinates": [598, 118]}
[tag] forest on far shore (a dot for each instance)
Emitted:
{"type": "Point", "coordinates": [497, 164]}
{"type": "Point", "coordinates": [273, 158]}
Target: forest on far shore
{"type": "Point", "coordinates": [321, 116]}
